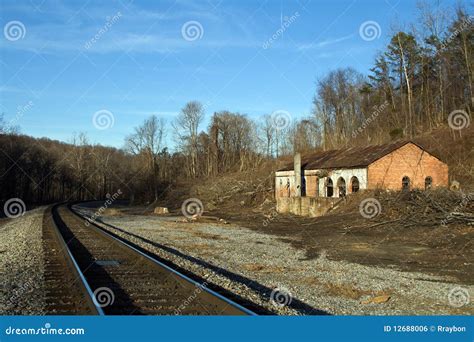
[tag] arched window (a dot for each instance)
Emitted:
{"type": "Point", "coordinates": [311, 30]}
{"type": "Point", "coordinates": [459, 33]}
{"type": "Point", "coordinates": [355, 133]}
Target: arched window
{"type": "Point", "coordinates": [354, 184]}
{"type": "Point", "coordinates": [428, 182]}
{"type": "Point", "coordinates": [406, 183]}
{"type": "Point", "coordinates": [329, 187]}
{"type": "Point", "coordinates": [341, 187]}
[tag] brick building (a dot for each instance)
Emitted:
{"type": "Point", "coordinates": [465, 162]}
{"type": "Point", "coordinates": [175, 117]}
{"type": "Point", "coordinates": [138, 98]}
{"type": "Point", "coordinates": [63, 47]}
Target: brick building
{"type": "Point", "coordinates": [333, 174]}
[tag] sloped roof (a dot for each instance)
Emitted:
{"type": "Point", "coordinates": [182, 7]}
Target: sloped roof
{"type": "Point", "coordinates": [347, 158]}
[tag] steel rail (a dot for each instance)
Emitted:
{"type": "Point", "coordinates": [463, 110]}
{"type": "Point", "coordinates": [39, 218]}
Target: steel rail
{"type": "Point", "coordinates": [72, 261]}
{"type": "Point", "coordinates": [103, 231]}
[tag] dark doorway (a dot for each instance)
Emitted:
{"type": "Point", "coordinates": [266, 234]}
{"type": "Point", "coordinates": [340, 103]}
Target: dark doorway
{"type": "Point", "coordinates": [303, 185]}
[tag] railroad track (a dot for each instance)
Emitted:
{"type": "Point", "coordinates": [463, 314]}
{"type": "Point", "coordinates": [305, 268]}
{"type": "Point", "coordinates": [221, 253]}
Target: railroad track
{"type": "Point", "coordinates": [109, 276]}
{"type": "Point", "coordinates": [66, 293]}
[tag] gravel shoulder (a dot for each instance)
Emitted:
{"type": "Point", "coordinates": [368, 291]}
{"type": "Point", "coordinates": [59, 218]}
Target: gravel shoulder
{"type": "Point", "coordinates": [274, 274]}
{"type": "Point", "coordinates": [22, 265]}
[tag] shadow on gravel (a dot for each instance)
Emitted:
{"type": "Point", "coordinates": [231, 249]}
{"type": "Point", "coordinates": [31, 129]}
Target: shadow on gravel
{"type": "Point", "coordinates": [295, 304]}
{"type": "Point", "coordinates": [96, 275]}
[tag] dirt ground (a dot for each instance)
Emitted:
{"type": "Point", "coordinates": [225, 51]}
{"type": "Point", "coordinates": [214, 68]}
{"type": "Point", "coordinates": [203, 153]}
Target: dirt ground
{"type": "Point", "coordinates": [394, 239]}
{"type": "Point", "coordinates": [436, 250]}
{"type": "Point", "coordinates": [408, 234]}
{"type": "Point", "coordinates": [323, 265]}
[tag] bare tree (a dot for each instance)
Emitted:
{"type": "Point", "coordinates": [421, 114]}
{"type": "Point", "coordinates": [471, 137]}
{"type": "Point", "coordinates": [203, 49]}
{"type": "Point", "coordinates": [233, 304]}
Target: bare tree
{"type": "Point", "coordinates": [268, 129]}
{"type": "Point", "coordinates": [187, 125]}
{"type": "Point", "coordinates": [337, 105]}
{"type": "Point", "coordinates": [146, 142]}
{"type": "Point", "coordinates": [78, 161]}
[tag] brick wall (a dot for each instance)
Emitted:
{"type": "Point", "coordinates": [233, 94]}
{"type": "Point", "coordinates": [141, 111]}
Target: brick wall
{"type": "Point", "coordinates": [283, 177]}
{"type": "Point", "coordinates": [411, 161]}
{"type": "Point", "coordinates": [281, 181]}
{"type": "Point", "coordinates": [311, 185]}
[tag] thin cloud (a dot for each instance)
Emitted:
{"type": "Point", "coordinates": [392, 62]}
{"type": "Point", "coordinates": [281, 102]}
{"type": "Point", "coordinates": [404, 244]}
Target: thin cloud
{"type": "Point", "coordinates": [121, 42]}
{"type": "Point", "coordinates": [324, 43]}
{"type": "Point", "coordinates": [8, 89]}
{"type": "Point", "coordinates": [70, 29]}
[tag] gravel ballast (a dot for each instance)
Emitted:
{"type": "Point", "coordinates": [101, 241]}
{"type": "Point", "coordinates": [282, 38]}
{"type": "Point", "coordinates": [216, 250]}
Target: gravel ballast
{"type": "Point", "coordinates": [22, 265]}
{"type": "Point", "coordinates": [270, 272]}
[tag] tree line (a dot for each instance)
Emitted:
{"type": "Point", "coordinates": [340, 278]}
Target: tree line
{"type": "Point", "coordinates": [422, 76]}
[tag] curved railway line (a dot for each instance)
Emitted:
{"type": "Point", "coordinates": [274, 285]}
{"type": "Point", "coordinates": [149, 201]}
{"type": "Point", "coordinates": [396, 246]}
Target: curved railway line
{"type": "Point", "coordinates": [90, 271]}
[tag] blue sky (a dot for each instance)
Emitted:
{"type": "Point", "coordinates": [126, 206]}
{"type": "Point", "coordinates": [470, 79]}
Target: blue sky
{"type": "Point", "coordinates": [55, 76]}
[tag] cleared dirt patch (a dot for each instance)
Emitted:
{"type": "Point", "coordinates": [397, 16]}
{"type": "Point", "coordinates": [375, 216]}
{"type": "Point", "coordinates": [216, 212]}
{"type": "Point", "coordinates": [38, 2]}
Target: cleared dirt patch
{"type": "Point", "coordinates": [420, 245]}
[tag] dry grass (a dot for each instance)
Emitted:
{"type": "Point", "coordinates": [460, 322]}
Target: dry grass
{"type": "Point", "coordinates": [351, 292]}
{"type": "Point", "coordinates": [112, 212]}
{"type": "Point", "coordinates": [311, 281]}
{"type": "Point", "coordinates": [346, 290]}
{"type": "Point", "coordinates": [360, 246]}
{"type": "Point", "coordinates": [208, 236]}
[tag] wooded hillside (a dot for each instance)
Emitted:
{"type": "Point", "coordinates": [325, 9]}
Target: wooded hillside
{"type": "Point", "coordinates": [423, 81]}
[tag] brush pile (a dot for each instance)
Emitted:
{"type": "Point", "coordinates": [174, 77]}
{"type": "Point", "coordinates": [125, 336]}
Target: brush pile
{"type": "Point", "coordinates": [431, 208]}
